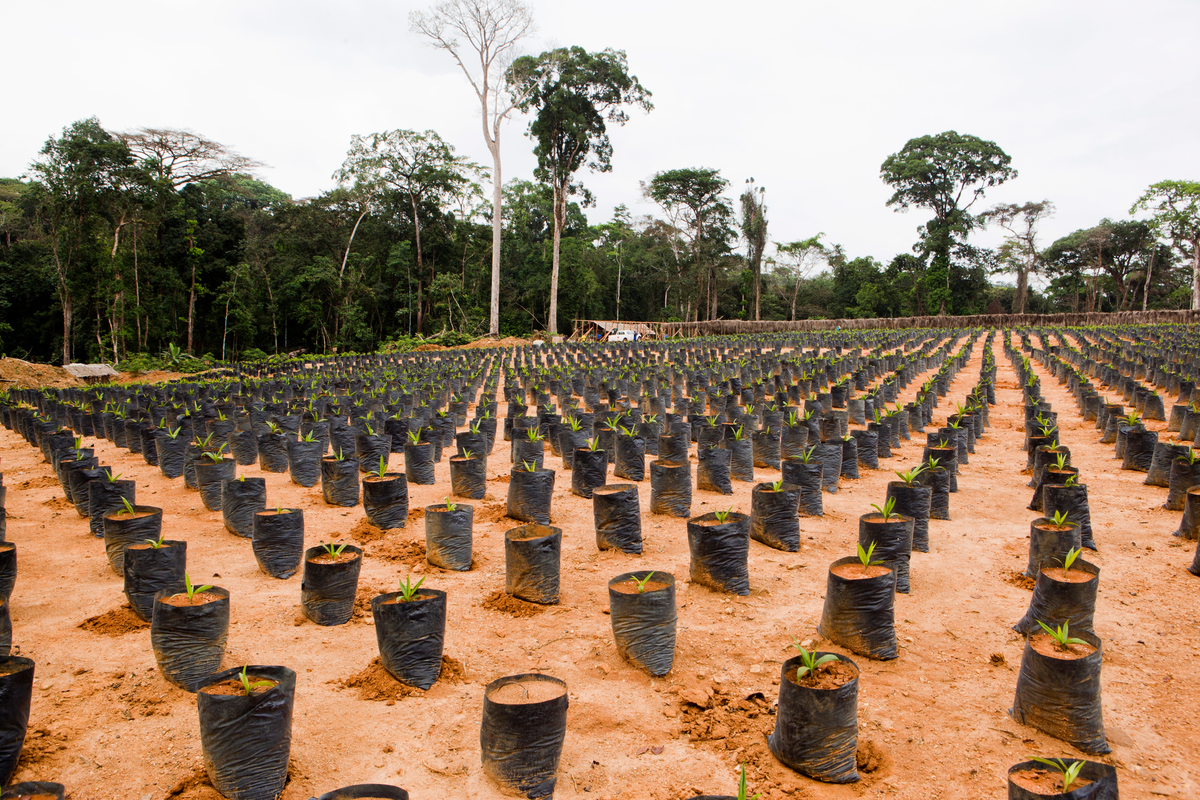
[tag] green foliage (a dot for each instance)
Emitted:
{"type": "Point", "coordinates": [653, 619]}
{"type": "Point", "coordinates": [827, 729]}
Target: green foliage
{"type": "Point", "coordinates": [408, 589]}
{"type": "Point", "coordinates": [809, 661]}
{"type": "Point", "coordinates": [886, 510]}
{"type": "Point", "coordinates": [641, 582]}
{"type": "Point", "coordinates": [1061, 635]}
{"type": "Point", "coordinates": [864, 557]}
{"type": "Point", "coordinates": [191, 590]}
{"type": "Point", "coordinates": [1069, 772]}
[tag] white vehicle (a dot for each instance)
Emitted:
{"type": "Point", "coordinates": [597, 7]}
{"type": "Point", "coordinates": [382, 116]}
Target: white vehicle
{"type": "Point", "coordinates": [622, 336]}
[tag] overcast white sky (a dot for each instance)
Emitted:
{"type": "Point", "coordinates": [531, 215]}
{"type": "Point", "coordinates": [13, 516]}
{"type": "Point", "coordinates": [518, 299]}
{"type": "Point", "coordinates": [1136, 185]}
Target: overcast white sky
{"type": "Point", "coordinates": [1093, 100]}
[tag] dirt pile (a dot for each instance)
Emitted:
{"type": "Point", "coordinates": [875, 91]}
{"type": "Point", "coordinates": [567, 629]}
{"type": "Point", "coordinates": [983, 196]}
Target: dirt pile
{"type": "Point", "coordinates": [24, 375]}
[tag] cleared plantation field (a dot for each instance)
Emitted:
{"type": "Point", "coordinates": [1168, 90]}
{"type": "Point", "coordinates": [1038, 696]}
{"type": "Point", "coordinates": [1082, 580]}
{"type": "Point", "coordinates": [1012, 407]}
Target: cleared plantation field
{"type": "Point", "coordinates": [933, 723]}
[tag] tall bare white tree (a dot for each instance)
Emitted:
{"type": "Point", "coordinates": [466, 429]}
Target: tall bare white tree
{"type": "Point", "coordinates": [481, 36]}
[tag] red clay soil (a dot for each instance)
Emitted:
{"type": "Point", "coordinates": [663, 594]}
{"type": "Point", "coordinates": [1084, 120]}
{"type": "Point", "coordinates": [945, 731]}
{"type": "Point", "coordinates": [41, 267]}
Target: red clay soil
{"type": "Point", "coordinates": [933, 723]}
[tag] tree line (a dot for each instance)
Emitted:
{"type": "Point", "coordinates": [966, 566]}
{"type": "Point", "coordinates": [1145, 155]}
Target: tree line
{"type": "Point", "coordinates": [115, 244]}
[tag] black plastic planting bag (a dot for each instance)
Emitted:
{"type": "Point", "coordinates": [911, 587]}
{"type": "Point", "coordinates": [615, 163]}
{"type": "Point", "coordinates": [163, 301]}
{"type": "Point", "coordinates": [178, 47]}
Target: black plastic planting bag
{"type": "Point", "coordinates": [1165, 454]}
{"type": "Point", "coordinates": [589, 469]}
{"type": "Point", "coordinates": [766, 448]}
{"type": "Point", "coordinates": [411, 635]}
{"type": "Point", "coordinates": [893, 543]}
{"type": "Point", "coordinates": [630, 461]}
{"type": "Point", "coordinates": [672, 447]}
{"type": "Point", "coordinates": [850, 458]}
{"type": "Point", "coordinates": [1055, 602]}
{"type": "Point", "coordinates": [468, 476]}
{"type": "Point", "coordinates": [339, 482]}
{"type": "Point", "coordinates": [189, 640]}
{"type": "Point", "coordinates": [272, 452]}
{"type": "Point", "coordinates": [1046, 543]}
{"type": "Point", "coordinates": [720, 552]}
{"type": "Point", "coordinates": [521, 742]}
{"type": "Point", "coordinates": [122, 530]}
{"type": "Point", "coordinates": [1102, 782]}
{"type": "Point", "coordinates": [816, 730]}
{"type": "Point", "coordinates": [1139, 450]}
{"type": "Point", "coordinates": [327, 590]}
{"type": "Point", "coordinates": [712, 470]}
{"type": "Point", "coordinates": [938, 481]}
{"type": "Point", "coordinates": [243, 445]}
{"type": "Point", "coordinates": [913, 501]}
{"type": "Point", "coordinates": [532, 558]}
{"type": "Point", "coordinates": [372, 791]}
{"type": "Point", "coordinates": [246, 739]}
{"type": "Point", "coordinates": [529, 495]}
{"type": "Point", "coordinates": [618, 517]}
{"type": "Point", "coordinates": [860, 614]}
{"type": "Point", "coordinates": [386, 501]}
{"type": "Point", "coordinates": [670, 488]}
{"type": "Point", "coordinates": [16, 691]}
{"type": "Point", "coordinates": [1184, 475]}
{"type": "Point", "coordinates": [8, 569]}
{"type": "Point", "coordinates": [81, 488]}
{"type": "Point", "coordinates": [774, 519]}
{"type": "Point", "coordinates": [150, 570]}
{"type": "Point", "coordinates": [643, 623]}
{"type": "Point", "coordinates": [741, 459]}
{"type": "Point", "coordinates": [418, 463]}
{"type": "Point", "coordinates": [449, 536]}
{"type": "Point", "coordinates": [105, 496]}
{"type": "Point", "coordinates": [241, 499]}
{"type": "Point", "coordinates": [278, 541]}
{"type": "Point", "coordinates": [5, 628]}
{"type": "Point", "coordinates": [1061, 697]}
{"type": "Point", "coordinates": [1073, 501]}
{"type": "Point", "coordinates": [867, 449]}
{"type": "Point", "coordinates": [369, 449]}
{"type": "Point", "coordinates": [304, 461]}
{"type": "Point", "coordinates": [809, 478]}
{"type": "Point", "coordinates": [171, 453]}
{"type": "Point", "coordinates": [830, 457]}
{"type": "Point", "coordinates": [794, 441]}
{"type": "Point", "coordinates": [209, 477]}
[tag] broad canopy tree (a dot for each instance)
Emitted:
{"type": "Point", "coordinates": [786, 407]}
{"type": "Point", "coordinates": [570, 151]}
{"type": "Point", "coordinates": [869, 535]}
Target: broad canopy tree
{"type": "Point", "coordinates": [1174, 208]}
{"type": "Point", "coordinates": [420, 167]}
{"type": "Point", "coordinates": [946, 173]}
{"type": "Point", "coordinates": [1020, 251]}
{"type": "Point", "coordinates": [575, 94]}
{"type": "Point", "coordinates": [694, 198]}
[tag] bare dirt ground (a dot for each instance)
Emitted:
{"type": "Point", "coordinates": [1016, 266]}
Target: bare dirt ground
{"type": "Point", "coordinates": [934, 722]}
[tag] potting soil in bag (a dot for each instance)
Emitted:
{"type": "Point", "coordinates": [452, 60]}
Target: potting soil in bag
{"type": "Point", "coordinates": [150, 570]}
{"type": "Point", "coordinates": [327, 590]}
{"type": "Point", "coordinates": [893, 543]}
{"type": "Point", "coordinates": [246, 739]}
{"type": "Point", "coordinates": [339, 482]}
{"type": "Point", "coordinates": [5, 629]}
{"type": "Point", "coordinates": [816, 730]}
{"type": "Point", "coordinates": [532, 560]}
{"type": "Point", "coordinates": [644, 623]}
{"type": "Point", "coordinates": [529, 495]}
{"type": "Point", "coordinates": [386, 501]}
{"type": "Point", "coordinates": [618, 517]}
{"type": "Point", "coordinates": [189, 640]}
{"type": "Point", "coordinates": [630, 460]}
{"type": "Point", "coordinates": [774, 519]}
{"type": "Point", "coordinates": [1057, 601]}
{"type": "Point", "coordinates": [449, 536]}
{"type": "Point", "coordinates": [712, 470]}
{"type": "Point", "coordinates": [522, 733]}
{"type": "Point", "coordinates": [720, 552]}
{"type": "Point", "coordinates": [16, 691]}
{"type": "Point", "coordinates": [809, 478]}
{"type": "Point", "coordinates": [860, 614]}
{"type": "Point", "coordinates": [830, 457]}
{"type": "Point", "coordinates": [1061, 696]}
{"type": "Point", "coordinates": [1101, 782]}
{"type": "Point", "coordinates": [241, 499]}
{"type": "Point", "coordinates": [670, 488]}
{"type": "Point", "coordinates": [370, 791]}
{"type": "Point", "coordinates": [278, 541]}
{"type": "Point", "coordinates": [122, 530]}
{"type": "Point", "coordinates": [411, 635]}
{"type": "Point", "coordinates": [304, 461]}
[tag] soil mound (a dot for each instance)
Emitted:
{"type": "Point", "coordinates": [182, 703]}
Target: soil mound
{"type": "Point", "coordinates": [503, 601]}
{"type": "Point", "coordinates": [116, 622]}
